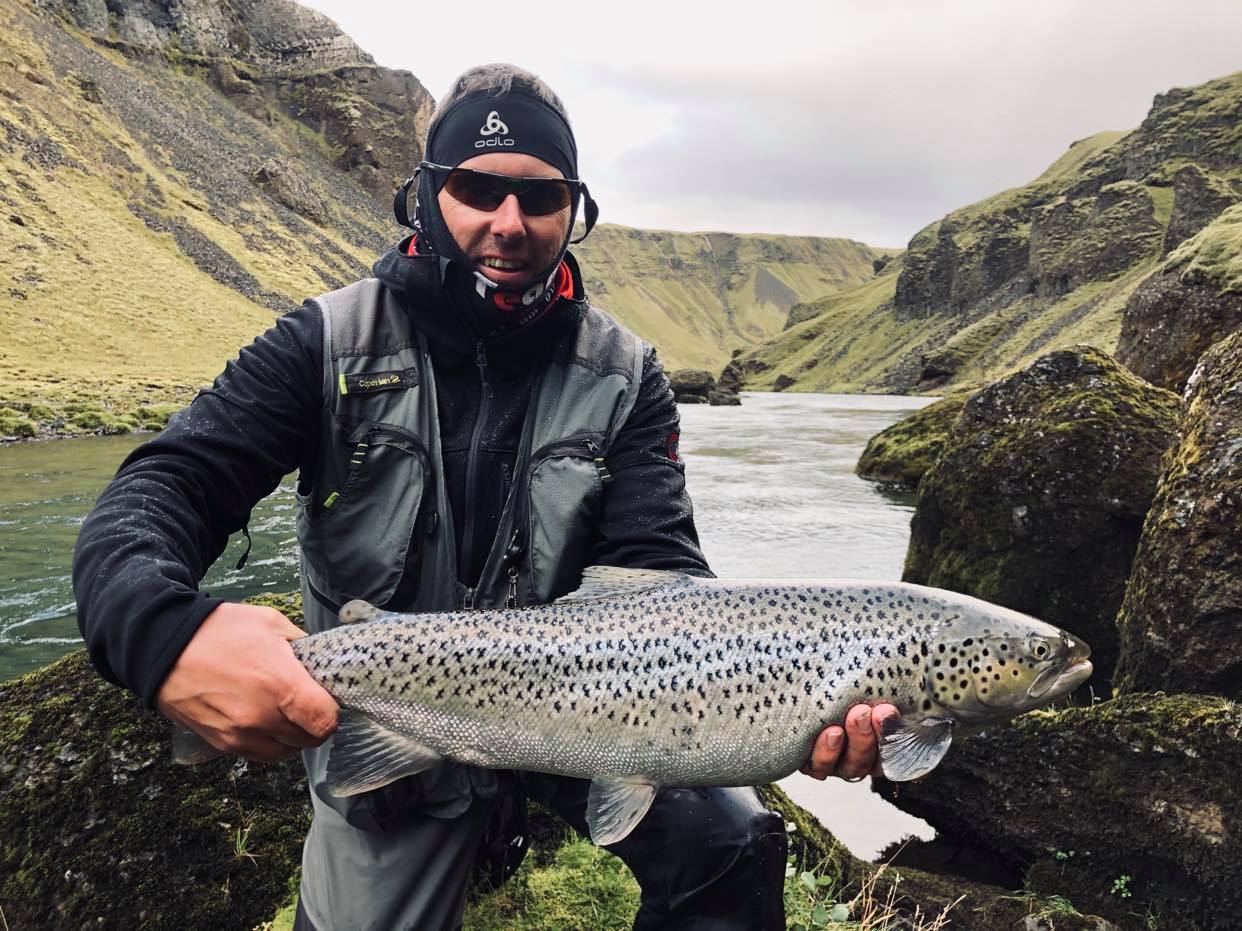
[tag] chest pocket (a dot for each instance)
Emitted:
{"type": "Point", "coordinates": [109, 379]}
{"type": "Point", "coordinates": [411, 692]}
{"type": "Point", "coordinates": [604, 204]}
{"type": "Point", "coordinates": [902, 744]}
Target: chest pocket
{"type": "Point", "coordinates": [371, 530]}
{"type": "Point", "coordinates": [564, 487]}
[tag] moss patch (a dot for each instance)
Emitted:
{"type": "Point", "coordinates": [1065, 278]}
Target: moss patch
{"type": "Point", "coordinates": [901, 453]}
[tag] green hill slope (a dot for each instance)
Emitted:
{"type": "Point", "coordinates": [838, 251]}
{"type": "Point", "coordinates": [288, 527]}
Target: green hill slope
{"type": "Point", "coordinates": [1036, 268]}
{"type": "Point", "coordinates": [174, 179]}
{"type": "Point", "coordinates": [698, 296]}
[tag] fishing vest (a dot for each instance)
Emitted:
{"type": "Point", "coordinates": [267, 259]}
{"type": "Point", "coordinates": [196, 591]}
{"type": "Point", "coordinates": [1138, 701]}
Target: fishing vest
{"type": "Point", "coordinates": [376, 523]}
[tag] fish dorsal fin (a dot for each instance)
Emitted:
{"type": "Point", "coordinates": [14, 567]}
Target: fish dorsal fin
{"type": "Point", "coordinates": [612, 581]}
{"type": "Point", "coordinates": [358, 611]}
{"type": "Point", "coordinates": [614, 808]}
{"type": "Point", "coordinates": [366, 755]}
{"type": "Point", "coordinates": [911, 749]}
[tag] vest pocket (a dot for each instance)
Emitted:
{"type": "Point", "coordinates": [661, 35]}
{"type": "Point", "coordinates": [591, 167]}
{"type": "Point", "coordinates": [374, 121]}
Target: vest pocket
{"type": "Point", "coordinates": [565, 483]}
{"type": "Point", "coordinates": [364, 538]}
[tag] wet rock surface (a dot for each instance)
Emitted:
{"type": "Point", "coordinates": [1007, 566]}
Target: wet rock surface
{"type": "Point", "coordinates": [1126, 808]}
{"type": "Point", "coordinates": [1044, 473]}
{"type": "Point", "coordinates": [1181, 623]}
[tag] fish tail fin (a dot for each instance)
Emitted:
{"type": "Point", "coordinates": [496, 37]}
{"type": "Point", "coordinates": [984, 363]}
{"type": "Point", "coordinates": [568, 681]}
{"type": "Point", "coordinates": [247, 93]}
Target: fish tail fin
{"type": "Point", "coordinates": [189, 749]}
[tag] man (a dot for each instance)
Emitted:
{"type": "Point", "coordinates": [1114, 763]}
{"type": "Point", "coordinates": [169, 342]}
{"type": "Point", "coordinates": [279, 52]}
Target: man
{"type": "Point", "coordinates": [417, 406]}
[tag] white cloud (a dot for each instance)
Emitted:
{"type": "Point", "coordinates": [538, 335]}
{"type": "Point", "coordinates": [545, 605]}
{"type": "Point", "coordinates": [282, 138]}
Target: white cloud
{"type": "Point", "coordinates": [845, 118]}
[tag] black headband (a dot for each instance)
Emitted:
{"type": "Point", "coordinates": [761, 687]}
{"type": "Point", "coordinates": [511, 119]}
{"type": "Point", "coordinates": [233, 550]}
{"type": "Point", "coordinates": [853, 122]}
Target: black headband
{"type": "Point", "coordinates": [512, 122]}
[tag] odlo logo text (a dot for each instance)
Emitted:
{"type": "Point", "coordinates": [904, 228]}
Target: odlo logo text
{"type": "Point", "coordinates": [494, 127]}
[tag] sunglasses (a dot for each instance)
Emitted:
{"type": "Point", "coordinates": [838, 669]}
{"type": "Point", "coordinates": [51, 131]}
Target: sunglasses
{"type": "Point", "coordinates": [484, 190]}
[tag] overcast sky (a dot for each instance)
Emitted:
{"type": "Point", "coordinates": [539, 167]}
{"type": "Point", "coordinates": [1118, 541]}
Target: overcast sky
{"type": "Point", "coordinates": [858, 118]}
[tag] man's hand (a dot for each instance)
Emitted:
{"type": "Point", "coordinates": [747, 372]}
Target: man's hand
{"type": "Point", "coordinates": [853, 751]}
{"type": "Point", "coordinates": [238, 685]}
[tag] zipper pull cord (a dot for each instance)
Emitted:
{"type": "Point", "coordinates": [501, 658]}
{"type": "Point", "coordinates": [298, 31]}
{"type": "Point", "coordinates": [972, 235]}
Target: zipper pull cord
{"type": "Point", "coordinates": [511, 600]}
{"type": "Point", "coordinates": [480, 359]}
{"type": "Point", "coordinates": [602, 470]}
{"type": "Point", "coordinates": [244, 556]}
{"type": "Point", "coordinates": [512, 554]}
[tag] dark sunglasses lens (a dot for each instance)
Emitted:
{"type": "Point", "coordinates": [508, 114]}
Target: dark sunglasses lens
{"type": "Point", "coordinates": [544, 197]}
{"type": "Point", "coordinates": [475, 190]}
{"type": "Point", "coordinates": [486, 192]}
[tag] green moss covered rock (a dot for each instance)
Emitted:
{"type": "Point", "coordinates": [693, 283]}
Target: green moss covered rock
{"type": "Point", "coordinates": [100, 828]}
{"type": "Point", "coordinates": [901, 453]}
{"type": "Point", "coordinates": [1126, 808]}
{"type": "Point", "coordinates": [1181, 623]}
{"type": "Point", "coordinates": [1037, 500]}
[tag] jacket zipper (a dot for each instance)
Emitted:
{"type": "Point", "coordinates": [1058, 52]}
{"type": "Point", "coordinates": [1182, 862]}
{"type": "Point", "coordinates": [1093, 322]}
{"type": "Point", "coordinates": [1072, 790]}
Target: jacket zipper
{"type": "Point", "coordinates": [472, 463]}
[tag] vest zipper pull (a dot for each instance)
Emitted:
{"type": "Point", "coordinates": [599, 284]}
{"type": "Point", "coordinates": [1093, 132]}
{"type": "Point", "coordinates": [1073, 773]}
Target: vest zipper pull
{"type": "Point", "coordinates": [602, 470]}
{"type": "Point", "coordinates": [513, 552]}
{"type": "Point", "coordinates": [511, 600]}
{"type": "Point", "coordinates": [467, 600]}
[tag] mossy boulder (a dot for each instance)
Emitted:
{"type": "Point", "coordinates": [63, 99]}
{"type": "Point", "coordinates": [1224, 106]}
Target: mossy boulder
{"type": "Point", "coordinates": [900, 454]}
{"type": "Point", "coordinates": [1192, 301]}
{"type": "Point", "coordinates": [1044, 473]}
{"type": "Point", "coordinates": [1125, 808]}
{"type": "Point", "coordinates": [1181, 623]}
{"type": "Point", "coordinates": [1198, 198]}
{"type": "Point", "coordinates": [100, 828]}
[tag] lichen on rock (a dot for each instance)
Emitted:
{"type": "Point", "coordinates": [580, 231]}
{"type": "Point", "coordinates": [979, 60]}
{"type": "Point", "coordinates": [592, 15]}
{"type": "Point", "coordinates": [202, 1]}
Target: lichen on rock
{"type": "Point", "coordinates": [1181, 622]}
{"type": "Point", "coordinates": [1044, 473]}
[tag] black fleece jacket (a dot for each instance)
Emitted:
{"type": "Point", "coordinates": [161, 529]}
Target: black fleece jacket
{"type": "Point", "coordinates": [167, 515]}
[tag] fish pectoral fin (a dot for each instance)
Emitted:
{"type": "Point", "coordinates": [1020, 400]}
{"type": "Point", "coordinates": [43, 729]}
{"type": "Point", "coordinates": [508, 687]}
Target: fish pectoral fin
{"type": "Point", "coordinates": [614, 808]}
{"type": "Point", "coordinates": [911, 749]}
{"type": "Point", "coordinates": [611, 581]}
{"type": "Point", "coordinates": [365, 755]}
{"type": "Point", "coordinates": [189, 749]}
{"type": "Point", "coordinates": [358, 611]}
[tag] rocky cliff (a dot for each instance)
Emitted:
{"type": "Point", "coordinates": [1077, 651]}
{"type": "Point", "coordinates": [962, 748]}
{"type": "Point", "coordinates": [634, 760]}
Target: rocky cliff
{"type": "Point", "coordinates": [991, 286]}
{"type": "Point", "coordinates": [175, 175]}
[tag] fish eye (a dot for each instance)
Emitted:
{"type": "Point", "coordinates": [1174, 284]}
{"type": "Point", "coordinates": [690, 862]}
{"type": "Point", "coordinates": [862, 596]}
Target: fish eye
{"type": "Point", "coordinates": [1040, 649]}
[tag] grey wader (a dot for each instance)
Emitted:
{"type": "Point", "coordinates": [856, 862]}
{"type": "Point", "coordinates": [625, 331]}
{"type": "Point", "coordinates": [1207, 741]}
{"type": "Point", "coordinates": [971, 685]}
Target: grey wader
{"type": "Point", "coordinates": [376, 525]}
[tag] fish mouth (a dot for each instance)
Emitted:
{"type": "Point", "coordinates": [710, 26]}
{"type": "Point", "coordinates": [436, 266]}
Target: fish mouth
{"type": "Point", "coordinates": [1053, 683]}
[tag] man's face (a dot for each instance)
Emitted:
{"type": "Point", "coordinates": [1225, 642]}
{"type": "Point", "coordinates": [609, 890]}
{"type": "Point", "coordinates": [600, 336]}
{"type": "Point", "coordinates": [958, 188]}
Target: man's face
{"type": "Point", "coordinates": [505, 244]}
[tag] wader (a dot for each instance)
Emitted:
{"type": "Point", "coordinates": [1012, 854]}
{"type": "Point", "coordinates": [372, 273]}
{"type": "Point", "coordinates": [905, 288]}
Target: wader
{"type": "Point", "coordinates": [377, 525]}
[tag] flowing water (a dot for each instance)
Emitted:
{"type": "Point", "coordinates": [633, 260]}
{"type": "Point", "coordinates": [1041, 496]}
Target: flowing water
{"type": "Point", "coordinates": [774, 492]}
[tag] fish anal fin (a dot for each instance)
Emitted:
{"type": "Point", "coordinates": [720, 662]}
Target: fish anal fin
{"type": "Point", "coordinates": [913, 748]}
{"type": "Point", "coordinates": [614, 808]}
{"type": "Point", "coordinates": [612, 581]}
{"type": "Point", "coordinates": [366, 755]}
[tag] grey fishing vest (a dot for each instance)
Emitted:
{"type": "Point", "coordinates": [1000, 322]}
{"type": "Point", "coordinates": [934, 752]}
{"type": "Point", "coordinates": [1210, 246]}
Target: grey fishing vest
{"type": "Point", "coordinates": [377, 524]}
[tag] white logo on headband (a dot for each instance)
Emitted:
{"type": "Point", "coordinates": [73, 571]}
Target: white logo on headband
{"type": "Point", "coordinates": [494, 125]}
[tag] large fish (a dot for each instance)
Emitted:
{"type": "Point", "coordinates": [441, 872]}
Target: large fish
{"type": "Point", "coordinates": [642, 679]}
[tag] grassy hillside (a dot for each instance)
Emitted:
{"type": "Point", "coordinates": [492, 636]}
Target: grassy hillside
{"type": "Point", "coordinates": [698, 296]}
{"type": "Point", "coordinates": [171, 184]}
{"type": "Point", "coordinates": [1029, 270]}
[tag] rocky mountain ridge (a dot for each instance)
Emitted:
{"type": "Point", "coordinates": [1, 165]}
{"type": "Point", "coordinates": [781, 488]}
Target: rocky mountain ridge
{"type": "Point", "coordinates": [174, 175]}
{"type": "Point", "coordinates": [993, 285]}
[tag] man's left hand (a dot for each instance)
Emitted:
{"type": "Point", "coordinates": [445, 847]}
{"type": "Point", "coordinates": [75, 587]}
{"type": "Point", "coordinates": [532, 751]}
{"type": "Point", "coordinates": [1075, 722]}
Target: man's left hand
{"type": "Point", "coordinates": [853, 751]}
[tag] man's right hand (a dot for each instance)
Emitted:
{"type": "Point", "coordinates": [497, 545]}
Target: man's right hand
{"type": "Point", "coordinates": [238, 685]}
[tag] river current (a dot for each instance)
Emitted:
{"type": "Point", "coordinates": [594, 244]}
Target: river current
{"type": "Point", "coordinates": [774, 493]}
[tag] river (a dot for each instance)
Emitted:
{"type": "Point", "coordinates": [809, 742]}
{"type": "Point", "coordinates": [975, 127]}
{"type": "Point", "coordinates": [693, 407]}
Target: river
{"type": "Point", "coordinates": [774, 492]}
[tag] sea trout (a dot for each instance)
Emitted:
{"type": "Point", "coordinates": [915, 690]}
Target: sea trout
{"type": "Point", "coordinates": [642, 679]}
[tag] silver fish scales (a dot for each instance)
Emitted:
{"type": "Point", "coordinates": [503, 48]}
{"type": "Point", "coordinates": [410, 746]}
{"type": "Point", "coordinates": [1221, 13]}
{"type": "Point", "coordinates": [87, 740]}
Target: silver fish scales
{"type": "Point", "coordinates": [642, 679]}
